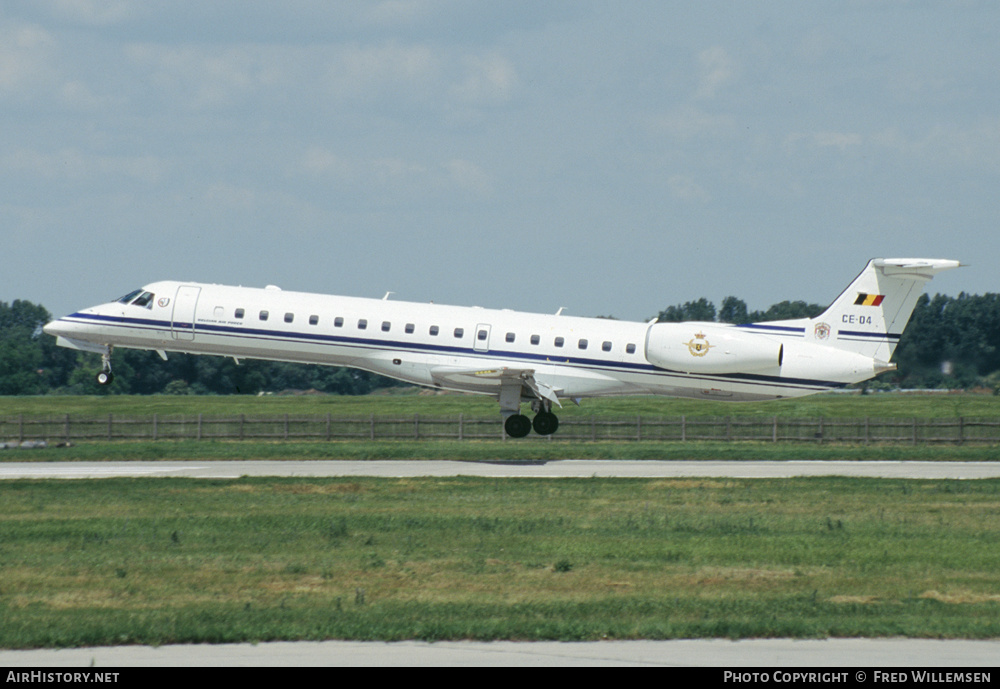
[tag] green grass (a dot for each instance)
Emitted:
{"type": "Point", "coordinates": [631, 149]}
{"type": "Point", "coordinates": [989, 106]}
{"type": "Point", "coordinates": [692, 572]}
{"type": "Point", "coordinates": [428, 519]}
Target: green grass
{"type": "Point", "coordinates": [405, 403]}
{"type": "Point", "coordinates": [409, 401]}
{"type": "Point", "coordinates": [483, 450]}
{"type": "Point", "coordinates": [159, 561]}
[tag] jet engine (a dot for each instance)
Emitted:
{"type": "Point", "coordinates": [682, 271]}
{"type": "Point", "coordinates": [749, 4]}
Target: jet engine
{"type": "Point", "coordinates": [705, 348]}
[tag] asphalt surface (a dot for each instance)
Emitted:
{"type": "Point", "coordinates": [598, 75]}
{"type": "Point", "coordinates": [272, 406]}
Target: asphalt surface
{"type": "Point", "coordinates": [580, 468]}
{"type": "Point", "coordinates": [770, 653]}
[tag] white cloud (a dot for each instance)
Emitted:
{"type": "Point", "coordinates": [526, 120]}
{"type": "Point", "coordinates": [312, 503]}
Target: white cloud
{"type": "Point", "coordinates": [94, 12]}
{"type": "Point", "coordinates": [26, 58]}
{"type": "Point", "coordinates": [393, 12]}
{"type": "Point", "coordinates": [840, 140]}
{"type": "Point", "coordinates": [687, 122]}
{"type": "Point", "coordinates": [231, 196]}
{"type": "Point", "coordinates": [75, 165]}
{"type": "Point", "coordinates": [363, 72]}
{"type": "Point", "coordinates": [825, 139]}
{"type": "Point", "coordinates": [469, 176]}
{"type": "Point", "coordinates": [201, 78]}
{"type": "Point", "coordinates": [78, 96]}
{"type": "Point", "coordinates": [395, 173]}
{"type": "Point", "coordinates": [717, 70]}
{"type": "Point", "coordinates": [684, 188]}
{"type": "Point", "coordinates": [977, 144]}
{"type": "Point", "coordinates": [488, 79]}
{"type": "Point", "coordinates": [319, 161]}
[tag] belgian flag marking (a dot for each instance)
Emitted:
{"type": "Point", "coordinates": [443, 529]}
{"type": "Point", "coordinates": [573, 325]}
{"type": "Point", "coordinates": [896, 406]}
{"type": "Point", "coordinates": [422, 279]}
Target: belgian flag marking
{"type": "Point", "coordinates": [868, 299]}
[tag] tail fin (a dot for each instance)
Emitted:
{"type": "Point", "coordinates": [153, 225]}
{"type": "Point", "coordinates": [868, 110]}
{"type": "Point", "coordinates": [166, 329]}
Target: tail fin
{"type": "Point", "coordinates": [869, 316]}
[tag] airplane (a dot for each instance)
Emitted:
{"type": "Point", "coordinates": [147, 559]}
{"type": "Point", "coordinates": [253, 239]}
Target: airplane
{"type": "Point", "coordinates": [518, 357]}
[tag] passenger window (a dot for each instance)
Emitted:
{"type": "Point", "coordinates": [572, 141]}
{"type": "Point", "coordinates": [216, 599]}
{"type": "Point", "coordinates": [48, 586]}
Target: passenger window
{"type": "Point", "coordinates": [535, 339]}
{"type": "Point", "coordinates": [481, 336]}
{"type": "Point", "coordinates": [264, 315]}
{"type": "Point", "coordinates": [510, 337]}
{"type": "Point", "coordinates": [313, 320]}
{"type": "Point", "coordinates": [459, 332]}
{"type": "Point", "coordinates": [289, 317]}
{"type": "Point", "coordinates": [363, 324]}
{"type": "Point", "coordinates": [240, 313]}
{"type": "Point", "coordinates": [606, 346]}
{"type": "Point", "coordinates": [559, 342]}
{"type": "Point", "coordinates": [386, 325]}
{"type": "Point", "coordinates": [338, 322]}
{"type": "Point", "coordinates": [630, 348]}
{"type": "Point", "coordinates": [434, 330]}
{"type": "Point", "coordinates": [409, 328]}
{"type": "Point", "coordinates": [582, 344]}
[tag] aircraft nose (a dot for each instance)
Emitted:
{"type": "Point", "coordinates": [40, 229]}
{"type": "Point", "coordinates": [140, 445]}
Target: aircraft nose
{"type": "Point", "coordinates": [60, 327]}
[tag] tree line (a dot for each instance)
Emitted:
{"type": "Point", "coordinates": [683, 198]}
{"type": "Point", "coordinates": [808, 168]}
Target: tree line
{"type": "Point", "coordinates": [950, 342]}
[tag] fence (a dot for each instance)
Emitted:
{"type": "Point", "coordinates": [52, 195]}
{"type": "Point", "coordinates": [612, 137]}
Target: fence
{"type": "Point", "coordinates": [913, 431]}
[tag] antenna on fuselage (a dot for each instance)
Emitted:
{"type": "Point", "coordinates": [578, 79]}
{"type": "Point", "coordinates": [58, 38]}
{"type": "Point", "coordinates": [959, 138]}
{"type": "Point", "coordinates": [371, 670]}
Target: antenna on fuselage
{"type": "Point", "coordinates": [386, 297]}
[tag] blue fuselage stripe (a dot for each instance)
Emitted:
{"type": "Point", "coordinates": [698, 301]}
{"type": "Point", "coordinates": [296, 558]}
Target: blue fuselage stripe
{"type": "Point", "coordinates": [245, 333]}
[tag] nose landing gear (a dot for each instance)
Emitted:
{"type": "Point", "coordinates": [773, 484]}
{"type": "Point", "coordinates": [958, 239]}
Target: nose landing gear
{"type": "Point", "coordinates": [105, 376]}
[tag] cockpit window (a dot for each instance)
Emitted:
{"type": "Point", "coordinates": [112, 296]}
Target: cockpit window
{"type": "Point", "coordinates": [145, 300]}
{"type": "Point", "coordinates": [139, 298]}
{"type": "Point", "coordinates": [130, 296]}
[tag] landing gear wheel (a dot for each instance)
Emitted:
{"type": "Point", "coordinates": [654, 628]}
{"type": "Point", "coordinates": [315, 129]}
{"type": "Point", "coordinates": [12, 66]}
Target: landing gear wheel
{"type": "Point", "coordinates": [517, 425]}
{"type": "Point", "coordinates": [545, 423]}
{"type": "Point", "coordinates": [105, 376]}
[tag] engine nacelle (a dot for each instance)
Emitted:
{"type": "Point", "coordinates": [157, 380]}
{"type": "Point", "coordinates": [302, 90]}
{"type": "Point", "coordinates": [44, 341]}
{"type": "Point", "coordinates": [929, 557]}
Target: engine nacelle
{"type": "Point", "coordinates": [703, 348]}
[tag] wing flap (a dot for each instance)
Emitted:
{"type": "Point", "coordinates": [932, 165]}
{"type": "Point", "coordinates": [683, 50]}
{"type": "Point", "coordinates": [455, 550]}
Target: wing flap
{"type": "Point", "coordinates": [487, 379]}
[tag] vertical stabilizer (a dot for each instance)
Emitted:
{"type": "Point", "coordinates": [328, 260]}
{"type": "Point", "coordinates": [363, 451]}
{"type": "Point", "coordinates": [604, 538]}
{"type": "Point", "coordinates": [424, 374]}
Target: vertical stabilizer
{"type": "Point", "coordinates": [869, 316]}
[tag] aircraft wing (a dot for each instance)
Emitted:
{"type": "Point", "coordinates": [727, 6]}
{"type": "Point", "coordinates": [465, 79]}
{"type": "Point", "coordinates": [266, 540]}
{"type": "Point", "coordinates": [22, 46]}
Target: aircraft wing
{"type": "Point", "coordinates": [486, 378]}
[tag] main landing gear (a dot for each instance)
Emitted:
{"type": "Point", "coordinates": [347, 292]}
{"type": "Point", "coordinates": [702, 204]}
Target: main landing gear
{"type": "Point", "coordinates": [105, 376]}
{"type": "Point", "coordinates": [519, 425]}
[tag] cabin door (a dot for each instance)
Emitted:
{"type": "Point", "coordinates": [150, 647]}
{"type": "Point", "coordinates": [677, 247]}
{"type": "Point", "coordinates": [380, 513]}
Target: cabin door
{"type": "Point", "coordinates": [482, 342]}
{"type": "Point", "coordinates": [184, 310]}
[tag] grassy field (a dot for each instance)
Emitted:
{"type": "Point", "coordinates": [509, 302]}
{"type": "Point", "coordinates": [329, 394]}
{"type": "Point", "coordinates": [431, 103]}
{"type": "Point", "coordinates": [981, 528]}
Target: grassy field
{"type": "Point", "coordinates": [405, 403]}
{"type": "Point", "coordinates": [409, 401]}
{"type": "Point", "coordinates": [159, 561]}
{"type": "Point", "coordinates": [481, 450]}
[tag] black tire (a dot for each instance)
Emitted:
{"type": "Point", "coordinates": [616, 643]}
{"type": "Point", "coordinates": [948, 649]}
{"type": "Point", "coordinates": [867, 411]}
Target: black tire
{"type": "Point", "coordinates": [517, 425]}
{"type": "Point", "coordinates": [105, 378]}
{"type": "Point", "coordinates": [545, 423]}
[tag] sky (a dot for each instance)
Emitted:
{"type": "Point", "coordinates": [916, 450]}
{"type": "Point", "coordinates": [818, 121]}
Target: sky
{"type": "Point", "coordinates": [610, 157]}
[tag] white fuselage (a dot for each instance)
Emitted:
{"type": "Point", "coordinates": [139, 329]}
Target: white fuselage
{"type": "Point", "coordinates": [453, 347]}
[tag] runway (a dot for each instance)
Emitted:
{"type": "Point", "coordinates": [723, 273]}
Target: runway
{"type": "Point", "coordinates": [773, 653]}
{"type": "Point", "coordinates": [567, 468]}
{"type": "Point", "coordinates": [706, 653]}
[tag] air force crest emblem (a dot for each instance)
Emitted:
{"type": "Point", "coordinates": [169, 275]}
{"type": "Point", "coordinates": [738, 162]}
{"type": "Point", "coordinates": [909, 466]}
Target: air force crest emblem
{"type": "Point", "coordinates": [698, 345]}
